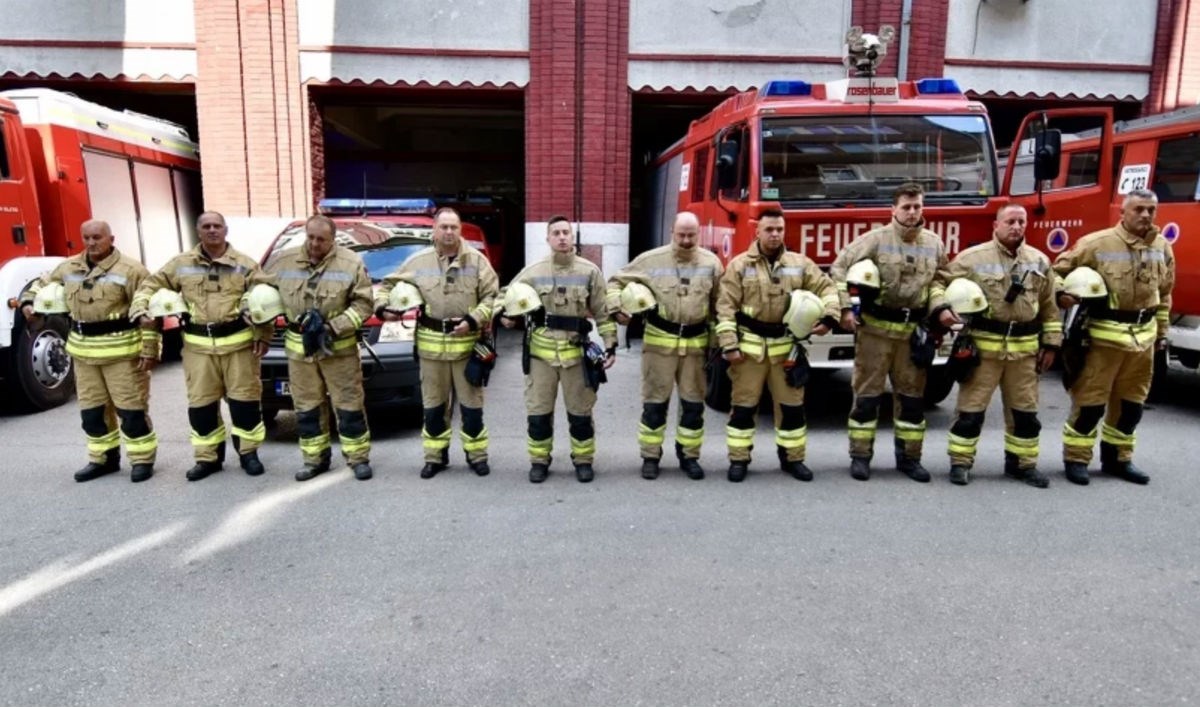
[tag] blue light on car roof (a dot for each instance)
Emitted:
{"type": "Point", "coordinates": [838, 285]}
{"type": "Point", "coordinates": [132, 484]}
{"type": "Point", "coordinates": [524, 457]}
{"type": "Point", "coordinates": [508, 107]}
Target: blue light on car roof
{"type": "Point", "coordinates": [938, 86]}
{"type": "Point", "coordinates": [787, 88]}
{"type": "Point", "coordinates": [387, 206]}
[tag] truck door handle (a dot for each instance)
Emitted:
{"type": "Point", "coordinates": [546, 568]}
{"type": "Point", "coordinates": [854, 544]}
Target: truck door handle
{"type": "Point", "coordinates": [18, 234]}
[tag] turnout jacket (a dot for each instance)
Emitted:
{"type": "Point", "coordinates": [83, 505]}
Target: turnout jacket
{"type": "Point", "coordinates": [568, 286]}
{"type": "Point", "coordinates": [338, 287]}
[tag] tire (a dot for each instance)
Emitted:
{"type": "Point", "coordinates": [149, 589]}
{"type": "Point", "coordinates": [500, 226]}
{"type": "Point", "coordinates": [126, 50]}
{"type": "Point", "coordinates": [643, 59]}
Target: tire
{"type": "Point", "coordinates": [38, 372]}
{"type": "Point", "coordinates": [938, 384]}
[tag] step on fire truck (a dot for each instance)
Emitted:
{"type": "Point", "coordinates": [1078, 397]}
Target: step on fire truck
{"type": "Point", "coordinates": [62, 161]}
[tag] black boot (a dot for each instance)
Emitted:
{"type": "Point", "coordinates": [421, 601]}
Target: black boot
{"type": "Point", "coordinates": [431, 469]}
{"type": "Point", "coordinates": [738, 471]}
{"type": "Point", "coordinates": [1077, 473]}
{"type": "Point", "coordinates": [312, 470]}
{"type": "Point", "coordinates": [860, 468]}
{"type": "Point", "coordinates": [798, 470]}
{"type": "Point", "coordinates": [692, 468]}
{"type": "Point", "coordinates": [141, 472]}
{"type": "Point", "coordinates": [584, 473]}
{"type": "Point", "coordinates": [1110, 464]}
{"type": "Point", "coordinates": [202, 470]}
{"type": "Point", "coordinates": [650, 469]}
{"type": "Point", "coordinates": [960, 475]}
{"type": "Point", "coordinates": [480, 468]}
{"type": "Point", "coordinates": [1012, 466]}
{"type": "Point", "coordinates": [1035, 478]}
{"type": "Point", "coordinates": [250, 464]}
{"type": "Point", "coordinates": [94, 470]}
{"type": "Point", "coordinates": [912, 469]}
{"type": "Point", "coordinates": [362, 471]}
{"type": "Point", "coordinates": [538, 472]}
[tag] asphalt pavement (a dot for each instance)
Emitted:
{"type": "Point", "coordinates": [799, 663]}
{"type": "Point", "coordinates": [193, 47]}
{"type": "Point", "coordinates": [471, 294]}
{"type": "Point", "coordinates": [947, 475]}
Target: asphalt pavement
{"type": "Point", "coordinates": [463, 590]}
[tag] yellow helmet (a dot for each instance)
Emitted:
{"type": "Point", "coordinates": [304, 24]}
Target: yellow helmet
{"type": "Point", "coordinates": [166, 302]}
{"type": "Point", "coordinates": [51, 299]}
{"type": "Point", "coordinates": [262, 303]}
{"type": "Point", "coordinates": [405, 296]}
{"type": "Point", "coordinates": [1084, 283]}
{"type": "Point", "coordinates": [965, 296]}
{"type": "Point", "coordinates": [864, 273]}
{"type": "Point", "coordinates": [637, 298]}
{"type": "Point", "coordinates": [804, 311]}
{"type": "Point", "coordinates": [520, 298]}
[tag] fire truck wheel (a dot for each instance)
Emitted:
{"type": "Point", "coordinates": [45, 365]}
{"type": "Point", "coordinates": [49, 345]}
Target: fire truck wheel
{"type": "Point", "coordinates": [938, 384]}
{"type": "Point", "coordinates": [39, 371]}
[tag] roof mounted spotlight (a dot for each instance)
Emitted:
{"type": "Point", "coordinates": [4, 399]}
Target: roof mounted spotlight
{"type": "Point", "coordinates": [864, 51]}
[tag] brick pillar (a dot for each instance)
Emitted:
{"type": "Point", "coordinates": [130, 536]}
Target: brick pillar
{"type": "Point", "coordinates": [1175, 75]}
{"type": "Point", "coordinates": [927, 39]}
{"type": "Point", "coordinates": [870, 14]}
{"type": "Point", "coordinates": [600, 48]}
{"type": "Point", "coordinates": [250, 109]}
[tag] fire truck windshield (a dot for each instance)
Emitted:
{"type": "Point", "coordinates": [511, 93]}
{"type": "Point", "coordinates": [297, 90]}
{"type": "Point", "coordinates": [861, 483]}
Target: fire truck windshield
{"type": "Point", "coordinates": [812, 160]}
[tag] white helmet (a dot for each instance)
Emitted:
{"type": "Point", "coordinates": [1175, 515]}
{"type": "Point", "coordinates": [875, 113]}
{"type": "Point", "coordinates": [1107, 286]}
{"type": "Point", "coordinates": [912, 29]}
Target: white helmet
{"type": "Point", "coordinates": [864, 273]}
{"type": "Point", "coordinates": [804, 311]}
{"type": "Point", "coordinates": [51, 299]}
{"type": "Point", "coordinates": [405, 296]}
{"type": "Point", "coordinates": [520, 298]}
{"type": "Point", "coordinates": [167, 302]}
{"type": "Point", "coordinates": [636, 298]}
{"type": "Point", "coordinates": [965, 296]}
{"type": "Point", "coordinates": [1084, 283]}
{"type": "Point", "coordinates": [262, 303]}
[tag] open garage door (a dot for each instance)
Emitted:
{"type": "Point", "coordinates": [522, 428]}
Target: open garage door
{"type": "Point", "coordinates": [461, 148]}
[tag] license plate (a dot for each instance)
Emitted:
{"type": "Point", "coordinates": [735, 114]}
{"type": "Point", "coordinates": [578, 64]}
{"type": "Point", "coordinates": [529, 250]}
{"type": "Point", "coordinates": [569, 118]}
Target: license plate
{"type": "Point", "coordinates": [396, 331]}
{"type": "Point", "coordinates": [283, 389]}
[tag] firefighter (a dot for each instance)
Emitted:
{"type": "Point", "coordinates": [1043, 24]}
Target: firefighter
{"type": "Point", "coordinates": [1017, 333]}
{"type": "Point", "coordinates": [458, 286]}
{"type": "Point", "coordinates": [682, 278]}
{"type": "Point", "coordinates": [112, 356]}
{"type": "Point", "coordinates": [221, 350]}
{"type": "Point", "coordinates": [890, 331]}
{"type": "Point", "coordinates": [754, 295]}
{"type": "Point", "coordinates": [1138, 267]}
{"type": "Point", "coordinates": [326, 296]}
{"type": "Point", "coordinates": [558, 352]}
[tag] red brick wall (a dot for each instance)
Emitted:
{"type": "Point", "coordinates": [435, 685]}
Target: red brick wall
{"type": "Point", "coordinates": [1175, 74]}
{"type": "Point", "coordinates": [927, 39]}
{"type": "Point", "coordinates": [870, 14]}
{"type": "Point", "coordinates": [249, 109]}
{"type": "Point", "coordinates": [550, 111]}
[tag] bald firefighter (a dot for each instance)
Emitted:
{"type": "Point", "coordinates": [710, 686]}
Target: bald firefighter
{"type": "Point", "coordinates": [113, 357]}
{"type": "Point", "coordinates": [1138, 267]}
{"type": "Point", "coordinates": [754, 295]}
{"type": "Point", "coordinates": [458, 287]}
{"type": "Point", "coordinates": [558, 352]}
{"type": "Point", "coordinates": [221, 351]}
{"type": "Point", "coordinates": [908, 257]}
{"type": "Point", "coordinates": [1016, 331]}
{"type": "Point", "coordinates": [326, 296]}
{"type": "Point", "coordinates": [683, 280]}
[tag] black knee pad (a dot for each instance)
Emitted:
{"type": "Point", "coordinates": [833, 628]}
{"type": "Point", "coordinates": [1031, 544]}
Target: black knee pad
{"type": "Point", "coordinates": [742, 418]}
{"type": "Point", "coordinates": [968, 424]}
{"type": "Point", "coordinates": [581, 426]}
{"type": "Point", "coordinates": [1131, 415]}
{"type": "Point", "coordinates": [133, 423]}
{"type": "Point", "coordinates": [866, 408]}
{"type": "Point", "coordinates": [351, 423]}
{"type": "Point", "coordinates": [654, 415]}
{"type": "Point", "coordinates": [435, 420]}
{"type": "Point", "coordinates": [93, 423]}
{"type": "Point", "coordinates": [204, 420]}
{"type": "Point", "coordinates": [1088, 418]}
{"type": "Point", "coordinates": [792, 417]}
{"type": "Point", "coordinates": [541, 426]}
{"type": "Point", "coordinates": [691, 414]}
{"type": "Point", "coordinates": [472, 420]}
{"type": "Point", "coordinates": [308, 422]}
{"type": "Point", "coordinates": [245, 414]}
{"type": "Point", "coordinates": [912, 409]}
{"type": "Point", "coordinates": [1025, 424]}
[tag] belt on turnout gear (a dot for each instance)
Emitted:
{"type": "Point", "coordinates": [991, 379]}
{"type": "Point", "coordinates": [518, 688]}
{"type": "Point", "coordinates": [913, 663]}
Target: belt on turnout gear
{"type": "Point", "coordinates": [108, 326]}
{"type": "Point", "coordinates": [767, 330]}
{"type": "Point", "coordinates": [578, 325]}
{"type": "Point", "coordinates": [683, 331]}
{"type": "Point", "coordinates": [217, 329]}
{"type": "Point", "coordinates": [995, 326]}
{"type": "Point", "coordinates": [901, 315]}
{"type": "Point", "coordinates": [444, 326]}
{"type": "Point", "coordinates": [1126, 316]}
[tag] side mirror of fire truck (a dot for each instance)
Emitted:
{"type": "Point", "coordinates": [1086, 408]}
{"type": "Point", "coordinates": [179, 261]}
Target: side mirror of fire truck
{"type": "Point", "coordinates": [1047, 155]}
{"type": "Point", "coordinates": [727, 160]}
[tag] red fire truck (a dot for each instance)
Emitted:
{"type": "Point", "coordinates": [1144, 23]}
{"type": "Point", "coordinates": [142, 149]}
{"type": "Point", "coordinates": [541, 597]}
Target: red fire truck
{"type": "Point", "coordinates": [62, 161]}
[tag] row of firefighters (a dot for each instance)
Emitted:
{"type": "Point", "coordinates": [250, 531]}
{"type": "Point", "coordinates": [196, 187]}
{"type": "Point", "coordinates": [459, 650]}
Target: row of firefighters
{"type": "Point", "coordinates": [743, 325]}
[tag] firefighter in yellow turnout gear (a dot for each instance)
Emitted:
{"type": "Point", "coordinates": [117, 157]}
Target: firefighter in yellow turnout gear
{"type": "Point", "coordinates": [683, 279]}
{"type": "Point", "coordinates": [458, 286]}
{"type": "Point", "coordinates": [908, 257]}
{"type": "Point", "coordinates": [326, 297]}
{"type": "Point", "coordinates": [570, 290]}
{"type": "Point", "coordinates": [1138, 267]}
{"type": "Point", "coordinates": [1017, 332]}
{"type": "Point", "coordinates": [221, 351]}
{"type": "Point", "coordinates": [754, 295]}
{"type": "Point", "coordinates": [113, 357]}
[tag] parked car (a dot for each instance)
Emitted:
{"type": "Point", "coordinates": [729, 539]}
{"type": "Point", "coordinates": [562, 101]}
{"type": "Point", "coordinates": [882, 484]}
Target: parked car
{"type": "Point", "coordinates": [391, 375]}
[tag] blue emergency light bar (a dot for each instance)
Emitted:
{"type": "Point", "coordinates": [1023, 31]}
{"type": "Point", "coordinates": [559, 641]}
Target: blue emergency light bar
{"type": "Point", "coordinates": [377, 206]}
{"type": "Point", "coordinates": [938, 86]}
{"type": "Point", "coordinates": [787, 88]}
